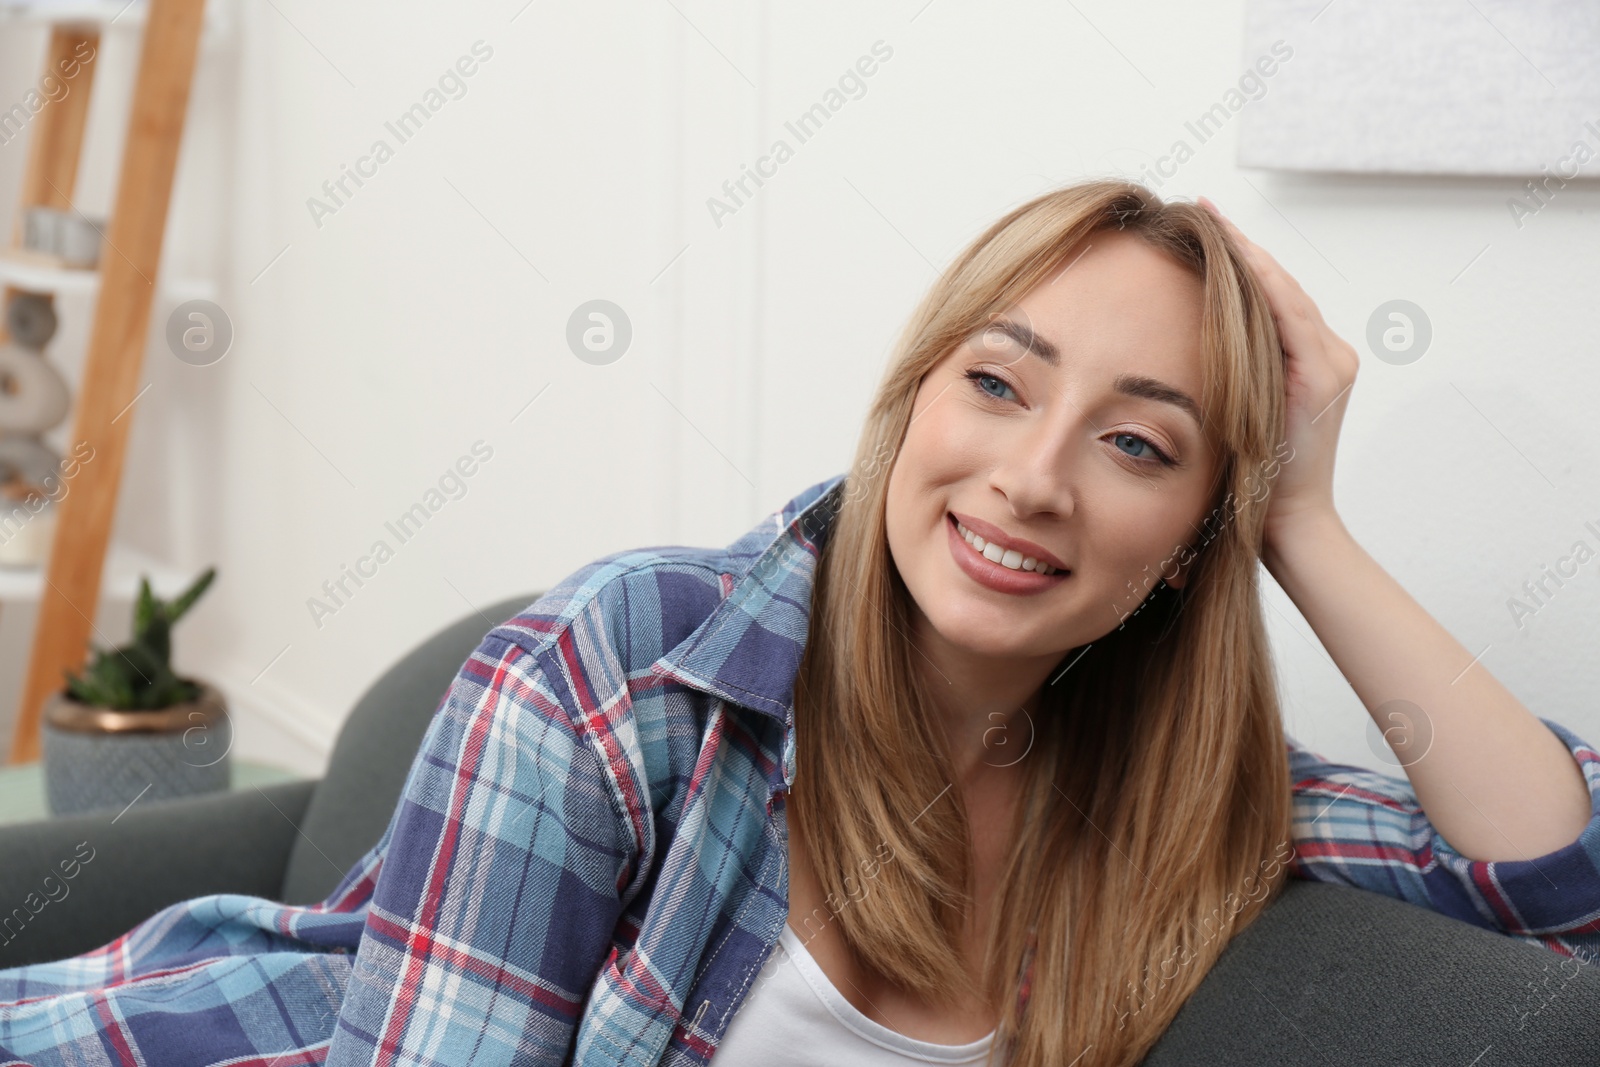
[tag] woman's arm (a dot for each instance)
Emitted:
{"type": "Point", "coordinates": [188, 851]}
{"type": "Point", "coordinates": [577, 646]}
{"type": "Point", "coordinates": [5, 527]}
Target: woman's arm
{"type": "Point", "coordinates": [497, 899]}
{"type": "Point", "coordinates": [1493, 779]}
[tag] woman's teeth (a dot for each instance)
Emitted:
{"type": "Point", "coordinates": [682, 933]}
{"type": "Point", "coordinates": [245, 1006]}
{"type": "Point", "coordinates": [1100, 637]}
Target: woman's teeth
{"type": "Point", "coordinates": [1008, 558]}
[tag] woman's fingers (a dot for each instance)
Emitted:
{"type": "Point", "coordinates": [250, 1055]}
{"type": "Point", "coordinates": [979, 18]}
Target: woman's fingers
{"type": "Point", "coordinates": [1298, 318]}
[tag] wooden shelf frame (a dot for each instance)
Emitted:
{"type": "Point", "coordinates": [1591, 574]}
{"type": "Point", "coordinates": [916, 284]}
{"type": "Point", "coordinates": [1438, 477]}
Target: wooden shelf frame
{"type": "Point", "coordinates": [128, 269]}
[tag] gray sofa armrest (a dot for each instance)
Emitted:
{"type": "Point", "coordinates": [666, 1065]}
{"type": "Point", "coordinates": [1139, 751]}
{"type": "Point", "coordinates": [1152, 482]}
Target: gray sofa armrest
{"type": "Point", "coordinates": [1334, 975]}
{"type": "Point", "coordinates": [68, 885]}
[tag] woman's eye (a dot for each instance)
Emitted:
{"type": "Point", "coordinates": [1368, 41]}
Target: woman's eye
{"type": "Point", "coordinates": [1153, 455]}
{"type": "Point", "coordinates": [990, 385]}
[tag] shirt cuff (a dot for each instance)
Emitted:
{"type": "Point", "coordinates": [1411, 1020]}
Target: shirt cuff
{"type": "Point", "coordinates": [1363, 828]}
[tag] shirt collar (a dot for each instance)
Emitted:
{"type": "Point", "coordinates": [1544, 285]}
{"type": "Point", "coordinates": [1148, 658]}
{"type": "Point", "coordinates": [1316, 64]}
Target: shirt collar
{"type": "Point", "coordinates": [748, 650]}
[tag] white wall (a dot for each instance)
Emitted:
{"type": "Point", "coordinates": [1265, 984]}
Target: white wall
{"type": "Point", "coordinates": [429, 309]}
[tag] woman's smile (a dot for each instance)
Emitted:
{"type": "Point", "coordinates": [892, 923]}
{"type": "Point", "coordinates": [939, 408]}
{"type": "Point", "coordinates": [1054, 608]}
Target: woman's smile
{"type": "Point", "coordinates": [1012, 572]}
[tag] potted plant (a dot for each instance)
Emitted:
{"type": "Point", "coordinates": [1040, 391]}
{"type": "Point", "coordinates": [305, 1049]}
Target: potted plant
{"type": "Point", "coordinates": [129, 727]}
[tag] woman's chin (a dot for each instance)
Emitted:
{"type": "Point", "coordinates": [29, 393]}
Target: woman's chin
{"type": "Point", "coordinates": [996, 631]}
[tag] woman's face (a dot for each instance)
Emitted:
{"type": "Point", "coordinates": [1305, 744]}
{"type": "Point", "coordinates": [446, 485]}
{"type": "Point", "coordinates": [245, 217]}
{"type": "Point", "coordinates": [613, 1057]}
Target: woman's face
{"type": "Point", "coordinates": [1049, 434]}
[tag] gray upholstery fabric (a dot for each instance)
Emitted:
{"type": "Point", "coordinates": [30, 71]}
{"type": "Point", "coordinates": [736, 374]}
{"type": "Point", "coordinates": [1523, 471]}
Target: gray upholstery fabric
{"type": "Point", "coordinates": [1330, 975]}
{"type": "Point", "coordinates": [153, 855]}
{"type": "Point", "coordinates": [374, 752]}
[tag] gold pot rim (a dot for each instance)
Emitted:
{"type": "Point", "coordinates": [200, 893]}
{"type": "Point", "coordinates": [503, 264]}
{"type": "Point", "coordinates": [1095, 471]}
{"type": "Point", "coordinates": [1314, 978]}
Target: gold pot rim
{"type": "Point", "coordinates": [65, 713]}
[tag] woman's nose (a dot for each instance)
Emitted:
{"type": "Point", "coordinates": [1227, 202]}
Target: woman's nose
{"type": "Point", "coordinates": [1038, 472]}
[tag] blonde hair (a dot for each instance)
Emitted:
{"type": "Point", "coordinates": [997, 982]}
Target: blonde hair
{"type": "Point", "coordinates": [1156, 801]}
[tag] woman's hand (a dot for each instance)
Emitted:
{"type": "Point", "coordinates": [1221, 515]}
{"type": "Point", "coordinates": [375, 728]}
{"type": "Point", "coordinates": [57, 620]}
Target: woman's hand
{"type": "Point", "coordinates": [1320, 367]}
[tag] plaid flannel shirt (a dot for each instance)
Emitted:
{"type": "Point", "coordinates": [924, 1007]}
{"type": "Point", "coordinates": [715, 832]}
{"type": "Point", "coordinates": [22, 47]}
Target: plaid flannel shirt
{"type": "Point", "coordinates": [587, 864]}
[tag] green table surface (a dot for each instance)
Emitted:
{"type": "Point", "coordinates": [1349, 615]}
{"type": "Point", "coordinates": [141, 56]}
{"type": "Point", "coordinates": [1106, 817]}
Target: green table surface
{"type": "Point", "coordinates": [22, 787]}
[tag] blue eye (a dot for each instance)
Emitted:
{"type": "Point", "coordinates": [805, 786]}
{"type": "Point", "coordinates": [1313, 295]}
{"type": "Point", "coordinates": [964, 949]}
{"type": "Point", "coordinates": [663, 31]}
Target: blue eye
{"type": "Point", "coordinates": [1157, 456]}
{"type": "Point", "coordinates": [978, 378]}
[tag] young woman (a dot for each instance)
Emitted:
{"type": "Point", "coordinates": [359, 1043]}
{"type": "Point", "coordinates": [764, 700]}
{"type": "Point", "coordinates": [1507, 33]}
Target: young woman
{"type": "Point", "coordinates": [971, 754]}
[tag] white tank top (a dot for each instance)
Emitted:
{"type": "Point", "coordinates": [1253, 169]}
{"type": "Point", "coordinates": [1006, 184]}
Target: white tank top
{"type": "Point", "coordinates": [794, 1017]}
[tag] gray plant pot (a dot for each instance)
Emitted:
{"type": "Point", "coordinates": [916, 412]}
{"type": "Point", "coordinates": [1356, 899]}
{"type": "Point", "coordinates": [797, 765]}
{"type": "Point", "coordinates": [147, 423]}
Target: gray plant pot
{"type": "Point", "coordinates": [97, 759]}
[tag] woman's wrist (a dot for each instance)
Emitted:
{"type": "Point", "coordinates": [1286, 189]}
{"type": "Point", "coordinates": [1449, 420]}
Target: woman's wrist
{"type": "Point", "coordinates": [1297, 537]}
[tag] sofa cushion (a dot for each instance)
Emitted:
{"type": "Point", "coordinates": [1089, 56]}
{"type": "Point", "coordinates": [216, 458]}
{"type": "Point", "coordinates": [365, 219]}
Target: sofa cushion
{"type": "Point", "coordinates": [1329, 974]}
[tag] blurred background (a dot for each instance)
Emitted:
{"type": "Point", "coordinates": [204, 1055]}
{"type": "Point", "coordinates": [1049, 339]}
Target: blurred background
{"type": "Point", "coordinates": [400, 314]}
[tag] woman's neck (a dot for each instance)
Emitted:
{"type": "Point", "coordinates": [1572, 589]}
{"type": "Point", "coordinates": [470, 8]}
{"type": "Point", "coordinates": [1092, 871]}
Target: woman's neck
{"type": "Point", "coordinates": [987, 707]}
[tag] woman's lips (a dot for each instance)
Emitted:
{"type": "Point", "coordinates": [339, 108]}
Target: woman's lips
{"type": "Point", "coordinates": [990, 532]}
{"type": "Point", "coordinates": [992, 575]}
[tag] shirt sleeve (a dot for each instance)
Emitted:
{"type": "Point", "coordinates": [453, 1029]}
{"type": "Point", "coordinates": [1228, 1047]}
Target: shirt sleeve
{"type": "Point", "coordinates": [500, 886]}
{"type": "Point", "coordinates": [1366, 829]}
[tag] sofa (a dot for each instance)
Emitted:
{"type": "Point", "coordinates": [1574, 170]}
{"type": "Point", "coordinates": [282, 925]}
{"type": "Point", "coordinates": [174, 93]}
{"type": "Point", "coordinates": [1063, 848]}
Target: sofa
{"type": "Point", "coordinates": [1328, 975]}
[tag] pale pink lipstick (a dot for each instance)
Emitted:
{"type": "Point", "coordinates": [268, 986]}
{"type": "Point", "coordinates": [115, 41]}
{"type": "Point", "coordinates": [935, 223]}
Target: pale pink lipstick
{"type": "Point", "coordinates": [995, 575]}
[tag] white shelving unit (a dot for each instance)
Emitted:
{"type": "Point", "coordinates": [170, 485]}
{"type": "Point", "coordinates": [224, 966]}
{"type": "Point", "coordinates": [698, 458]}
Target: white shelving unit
{"type": "Point", "coordinates": [39, 276]}
{"type": "Point", "coordinates": [84, 564]}
{"type": "Point", "coordinates": [28, 271]}
{"type": "Point", "coordinates": [100, 14]}
{"type": "Point", "coordinates": [123, 566]}
{"type": "Point", "coordinates": [71, 12]}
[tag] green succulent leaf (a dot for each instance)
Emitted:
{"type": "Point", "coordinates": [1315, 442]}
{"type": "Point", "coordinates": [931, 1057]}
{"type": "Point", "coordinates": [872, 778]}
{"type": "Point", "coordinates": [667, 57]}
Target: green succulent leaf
{"type": "Point", "coordinates": [176, 609]}
{"type": "Point", "coordinates": [138, 676]}
{"type": "Point", "coordinates": [144, 608]}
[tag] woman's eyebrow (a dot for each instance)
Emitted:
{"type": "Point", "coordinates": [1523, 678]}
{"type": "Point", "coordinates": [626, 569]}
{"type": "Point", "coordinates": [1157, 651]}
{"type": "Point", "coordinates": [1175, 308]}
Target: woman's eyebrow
{"type": "Point", "coordinates": [1140, 386]}
{"type": "Point", "coordinates": [1024, 336]}
{"type": "Point", "coordinates": [1146, 388]}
